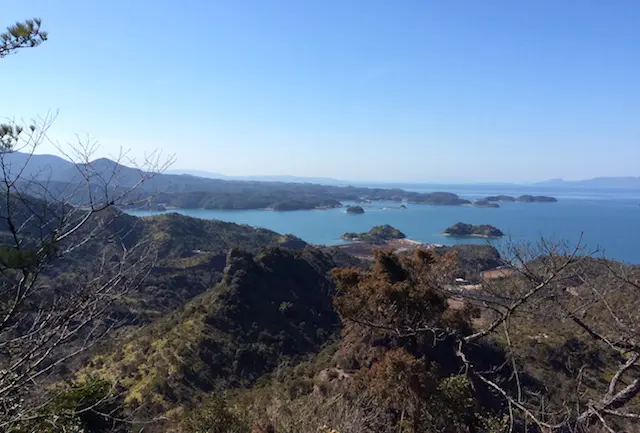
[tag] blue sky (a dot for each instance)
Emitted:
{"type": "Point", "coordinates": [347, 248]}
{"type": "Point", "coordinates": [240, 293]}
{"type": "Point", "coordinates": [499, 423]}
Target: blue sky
{"type": "Point", "coordinates": [361, 90]}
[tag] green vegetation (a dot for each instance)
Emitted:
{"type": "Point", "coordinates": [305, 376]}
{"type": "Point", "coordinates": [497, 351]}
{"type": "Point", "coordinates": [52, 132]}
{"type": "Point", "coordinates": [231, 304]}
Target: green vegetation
{"type": "Point", "coordinates": [439, 198]}
{"type": "Point", "coordinates": [284, 337]}
{"type": "Point", "coordinates": [214, 416]}
{"type": "Point", "coordinates": [536, 199]}
{"type": "Point", "coordinates": [485, 203]}
{"type": "Point", "coordinates": [505, 198]}
{"type": "Point", "coordinates": [25, 34]}
{"type": "Point", "coordinates": [294, 204]}
{"type": "Point", "coordinates": [378, 234]}
{"type": "Point", "coordinates": [190, 192]}
{"type": "Point", "coordinates": [177, 235]}
{"type": "Point", "coordinates": [270, 307]}
{"type": "Point", "coordinates": [480, 231]}
{"type": "Point", "coordinates": [354, 210]}
{"type": "Point", "coordinates": [77, 406]}
{"type": "Point", "coordinates": [264, 343]}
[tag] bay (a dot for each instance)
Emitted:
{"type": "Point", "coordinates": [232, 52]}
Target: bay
{"type": "Point", "coordinates": [607, 220]}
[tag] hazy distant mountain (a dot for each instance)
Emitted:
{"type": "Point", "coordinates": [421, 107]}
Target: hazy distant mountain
{"type": "Point", "coordinates": [55, 168]}
{"type": "Point", "coordinates": [50, 168]}
{"type": "Point", "coordinates": [198, 173]}
{"type": "Point", "coordinates": [627, 182]}
{"type": "Point", "coordinates": [267, 178]}
{"type": "Point", "coordinates": [42, 167]}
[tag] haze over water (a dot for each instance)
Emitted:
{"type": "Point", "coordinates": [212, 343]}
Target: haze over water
{"type": "Point", "coordinates": [608, 218]}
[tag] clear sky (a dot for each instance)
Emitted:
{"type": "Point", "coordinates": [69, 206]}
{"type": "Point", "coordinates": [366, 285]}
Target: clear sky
{"type": "Point", "coordinates": [360, 90]}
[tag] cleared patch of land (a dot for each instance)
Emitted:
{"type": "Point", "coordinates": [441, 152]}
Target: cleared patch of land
{"type": "Point", "coordinates": [494, 274]}
{"type": "Point", "coordinates": [365, 250]}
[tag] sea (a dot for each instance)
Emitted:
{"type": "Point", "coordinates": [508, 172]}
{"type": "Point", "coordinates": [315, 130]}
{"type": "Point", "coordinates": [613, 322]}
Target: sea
{"type": "Point", "coordinates": [607, 221]}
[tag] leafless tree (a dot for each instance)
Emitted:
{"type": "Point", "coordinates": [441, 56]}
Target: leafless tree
{"type": "Point", "coordinates": [67, 254]}
{"type": "Point", "coordinates": [553, 291]}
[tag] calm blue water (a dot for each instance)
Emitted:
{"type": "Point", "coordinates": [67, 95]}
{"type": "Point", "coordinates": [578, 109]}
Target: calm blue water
{"type": "Point", "coordinates": [608, 218]}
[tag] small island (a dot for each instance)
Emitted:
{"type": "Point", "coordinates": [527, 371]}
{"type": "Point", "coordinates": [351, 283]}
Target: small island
{"type": "Point", "coordinates": [378, 235]}
{"type": "Point", "coordinates": [354, 210]}
{"type": "Point", "coordinates": [505, 198]}
{"type": "Point", "coordinates": [469, 230]}
{"type": "Point", "coordinates": [439, 198]}
{"type": "Point", "coordinates": [485, 203]}
{"type": "Point", "coordinates": [536, 199]}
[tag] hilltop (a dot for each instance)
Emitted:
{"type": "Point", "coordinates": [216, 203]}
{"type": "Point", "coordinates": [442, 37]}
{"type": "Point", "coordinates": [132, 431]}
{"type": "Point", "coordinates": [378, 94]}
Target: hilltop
{"type": "Point", "coordinates": [378, 234]}
{"type": "Point", "coordinates": [480, 231]}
